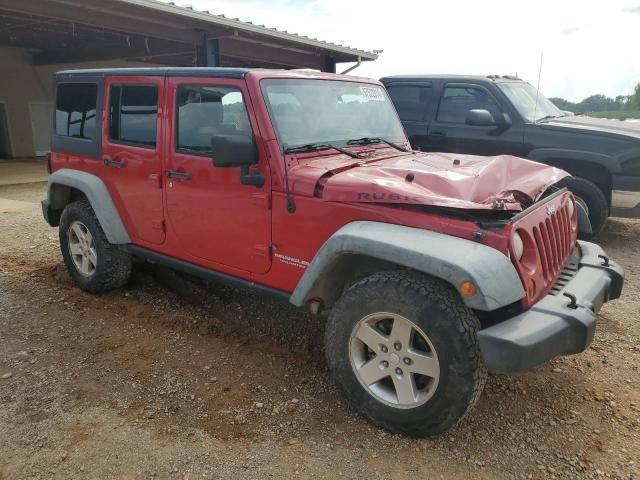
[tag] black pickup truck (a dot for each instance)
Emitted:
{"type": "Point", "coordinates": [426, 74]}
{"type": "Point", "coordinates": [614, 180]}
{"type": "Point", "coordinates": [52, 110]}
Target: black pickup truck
{"type": "Point", "coordinates": [497, 115]}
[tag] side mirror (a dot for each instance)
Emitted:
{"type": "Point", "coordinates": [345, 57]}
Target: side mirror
{"type": "Point", "coordinates": [233, 150]}
{"type": "Point", "coordinates": [480, 118]}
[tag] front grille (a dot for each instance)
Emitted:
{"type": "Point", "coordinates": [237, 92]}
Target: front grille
{"type": "Point", "coordinates": [568, 272]}
{"type": "Point", "coordinates": [553, 241]}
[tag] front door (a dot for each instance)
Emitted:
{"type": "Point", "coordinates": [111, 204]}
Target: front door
{"type": "Point", "coordinates": [449, 131]}
{"type": "Point", "coordinates": [132, 154]}
{"type": "Point", "coordinates": [213, 216]}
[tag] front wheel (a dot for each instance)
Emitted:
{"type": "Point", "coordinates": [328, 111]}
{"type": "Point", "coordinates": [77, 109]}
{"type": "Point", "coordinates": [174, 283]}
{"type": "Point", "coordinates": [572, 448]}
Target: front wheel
{"type": "Point", "coordinates": [403, 349]}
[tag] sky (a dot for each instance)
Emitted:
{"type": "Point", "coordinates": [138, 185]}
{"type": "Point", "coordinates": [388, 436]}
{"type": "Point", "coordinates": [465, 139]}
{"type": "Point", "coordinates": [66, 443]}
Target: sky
{"type": "Point", "coordinates": [587, 46]}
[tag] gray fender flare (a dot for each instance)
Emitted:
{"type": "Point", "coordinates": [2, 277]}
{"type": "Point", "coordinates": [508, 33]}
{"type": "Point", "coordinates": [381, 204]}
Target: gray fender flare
{"type": "Point", "coordinates": [451, 259]}
{"type": "Point", "coordinates": [96, 192]}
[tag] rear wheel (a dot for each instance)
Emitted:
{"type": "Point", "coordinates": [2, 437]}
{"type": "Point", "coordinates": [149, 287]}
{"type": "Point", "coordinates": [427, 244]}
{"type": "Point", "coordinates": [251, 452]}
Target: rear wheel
{"type": "Point", "coordinates": [95, 265]}
{"type": "Point", "coordinates": [592, 200]}
{"type": "Point", "coordinates": [403, 349]}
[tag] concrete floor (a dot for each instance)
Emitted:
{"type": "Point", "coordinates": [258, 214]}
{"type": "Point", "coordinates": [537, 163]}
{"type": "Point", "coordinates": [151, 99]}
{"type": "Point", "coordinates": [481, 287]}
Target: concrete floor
{"type": "Point", "coordinates": [32, 170]}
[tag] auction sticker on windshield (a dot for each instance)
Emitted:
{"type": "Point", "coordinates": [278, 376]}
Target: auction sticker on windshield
{"type": "Point", "coordinates": [372, 93]}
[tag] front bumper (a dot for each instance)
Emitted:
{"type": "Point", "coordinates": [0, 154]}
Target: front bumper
{"type": "Point", "coordinates": [554, 326]}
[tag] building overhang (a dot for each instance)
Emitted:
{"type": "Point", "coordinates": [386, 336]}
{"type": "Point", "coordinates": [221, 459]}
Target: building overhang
{"type": "Point", "coordinates": [74, 31]}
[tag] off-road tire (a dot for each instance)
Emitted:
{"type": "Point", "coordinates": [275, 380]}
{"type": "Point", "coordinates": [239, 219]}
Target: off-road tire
{"type": "Point", "coordinates": [595, 200]}
{"type": "Point", "coordinates": [436, 308]}
{"type": "Point", "coordinates": [113, 267]}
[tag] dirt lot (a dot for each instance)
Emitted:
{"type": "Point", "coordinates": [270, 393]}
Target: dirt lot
{"type": "Point", "coordinates": [206, 382]}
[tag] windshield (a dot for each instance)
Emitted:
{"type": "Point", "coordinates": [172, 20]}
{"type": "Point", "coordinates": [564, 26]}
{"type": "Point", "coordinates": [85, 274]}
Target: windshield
{"type": "Point", "coordinates": [523, 96]}
{"type": "Point", "coordinates": [306, 111]}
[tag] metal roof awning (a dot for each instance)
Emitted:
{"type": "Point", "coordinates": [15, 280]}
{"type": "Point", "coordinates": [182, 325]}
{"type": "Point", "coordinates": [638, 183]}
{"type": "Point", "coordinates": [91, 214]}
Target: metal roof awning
{"type": "Point", "coordinates": [72, 31]}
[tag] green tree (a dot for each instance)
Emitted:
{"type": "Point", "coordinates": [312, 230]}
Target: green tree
{"type": "Point", "coordinates": [563, 104]}
{"type": "Point", "coordinates": [596, 103]}
{"type": "Point", "coordinates": [634, 100]}
{"type": "Point", "coordinates": [622, 102]}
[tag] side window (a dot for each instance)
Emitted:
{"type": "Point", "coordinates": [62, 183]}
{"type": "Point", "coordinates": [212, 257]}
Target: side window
{"type": "Point", "coordinates": [76, 110]}
{"type": "Point", "coordinates": [457, 101]}
{"type": "Point", "coordinates": [133, 114]}
{"type": "Point", "coordinates": [204, 111]}
{"type": "Point", "coordinates": [411, 101]}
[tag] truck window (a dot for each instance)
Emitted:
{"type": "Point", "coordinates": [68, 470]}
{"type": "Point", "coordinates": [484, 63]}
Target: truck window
{"type": "Point", "coordinates": [204, 111]}
{"type": "Point", "coordinates": [76, 110]}
{"type": "Point", "coordinates": [411, 101]}
{"type": "Point", "coordinates": [456, 102]}
{"type": "Point", "coordinates": [133, 114]}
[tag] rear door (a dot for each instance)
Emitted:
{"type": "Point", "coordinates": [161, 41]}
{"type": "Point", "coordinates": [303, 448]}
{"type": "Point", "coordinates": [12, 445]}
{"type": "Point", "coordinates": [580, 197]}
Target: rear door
{"type": "Point", "coordinates": [211, 215]}
{"type": "Point", "coordinates": [449, 131]}
{"type": "Point", "coordinates": [415, 103]}
{"type": "Point", "coordinates": [132, 155]}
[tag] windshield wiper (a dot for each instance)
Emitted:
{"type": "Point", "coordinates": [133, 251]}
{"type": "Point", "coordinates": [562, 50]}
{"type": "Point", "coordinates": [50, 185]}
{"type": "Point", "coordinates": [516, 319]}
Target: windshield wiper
{"type": "Point", "coordinates": [547, 117]}
{"type": "Point", "coordinates": [316, 147]}
{"type": "Point", "coordinates": [375, 140]}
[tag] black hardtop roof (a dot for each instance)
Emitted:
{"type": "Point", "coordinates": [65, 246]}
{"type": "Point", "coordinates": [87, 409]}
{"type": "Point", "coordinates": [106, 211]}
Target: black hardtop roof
{"type": "Point", "coordinates": [461, 78]}
{"type": "Point", "coordinates": [156, 72]}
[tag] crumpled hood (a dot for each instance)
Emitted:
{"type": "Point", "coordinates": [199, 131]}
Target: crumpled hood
{"type": "Point", "coordinates": [437, 179]}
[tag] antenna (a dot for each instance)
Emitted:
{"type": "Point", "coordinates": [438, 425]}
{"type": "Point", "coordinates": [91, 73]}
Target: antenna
{"type": "Point", "coordinates": [535, 108]}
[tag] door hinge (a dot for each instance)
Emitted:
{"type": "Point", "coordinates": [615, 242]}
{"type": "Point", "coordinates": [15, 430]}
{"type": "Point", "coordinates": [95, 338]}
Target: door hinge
{"type": "Point", "coordinates": [156, 179]}
{"type": "Point", "coordinates": [263, 251]}
{"type": "Point", "coordinates": [159, 225]}
{"type": "Point", "coordinates": [262, 200]}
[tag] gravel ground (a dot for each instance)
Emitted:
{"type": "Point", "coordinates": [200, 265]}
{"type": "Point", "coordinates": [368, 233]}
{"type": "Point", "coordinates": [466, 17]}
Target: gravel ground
{"type": "Point", "coordinates": [169, 378]}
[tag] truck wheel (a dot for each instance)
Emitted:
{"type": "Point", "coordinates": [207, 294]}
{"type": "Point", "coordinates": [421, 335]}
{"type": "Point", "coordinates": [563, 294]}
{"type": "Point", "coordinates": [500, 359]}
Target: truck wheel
{"type": "Point", "coordinates": [94, 264]}
{"type": "Point", "coordinates": [592, 199]}
{"type": "Point", "coordinates": [403, 349]}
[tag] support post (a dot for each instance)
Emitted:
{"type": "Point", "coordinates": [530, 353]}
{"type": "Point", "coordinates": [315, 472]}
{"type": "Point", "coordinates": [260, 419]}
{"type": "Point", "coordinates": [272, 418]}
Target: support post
{"type": "Point", "coordinates": [329, 64]}
{"type": "Point", "coordinates": [209, 53]}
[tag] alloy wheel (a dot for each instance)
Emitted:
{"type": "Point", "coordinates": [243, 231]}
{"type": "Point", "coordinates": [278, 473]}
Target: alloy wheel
{"type": "Point", "coordinates": [82, 248]}
{"type": "Point", "coordinates": [394, 360]}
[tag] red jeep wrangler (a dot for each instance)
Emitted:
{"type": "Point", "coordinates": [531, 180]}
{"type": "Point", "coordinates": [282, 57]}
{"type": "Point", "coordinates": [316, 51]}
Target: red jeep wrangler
{"type": "Point", "coordinates": [432, 268]}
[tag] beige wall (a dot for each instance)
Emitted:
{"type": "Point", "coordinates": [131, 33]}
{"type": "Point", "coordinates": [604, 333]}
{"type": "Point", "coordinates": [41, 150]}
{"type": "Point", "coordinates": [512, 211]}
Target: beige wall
{"type": "Point", "coordinates": [21, 83]}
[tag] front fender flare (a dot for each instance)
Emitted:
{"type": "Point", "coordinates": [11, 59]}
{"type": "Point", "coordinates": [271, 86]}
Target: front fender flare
{"type": "Point", "coordinates": [98, 195]}
{"type": "Point", "coordinates": [451, 259]}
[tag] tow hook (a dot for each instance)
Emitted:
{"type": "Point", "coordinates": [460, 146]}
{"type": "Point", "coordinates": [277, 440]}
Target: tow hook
{"type": "Point", "coordinates": [573, 304]}
{"type": "Point", "coordinates": [605, 260]}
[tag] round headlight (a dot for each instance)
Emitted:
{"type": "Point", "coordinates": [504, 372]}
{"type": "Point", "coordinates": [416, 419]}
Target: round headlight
{"type": "Point", "coordinates": [571, 206]}
{"type": "Point", "coordinates": [518, 245]}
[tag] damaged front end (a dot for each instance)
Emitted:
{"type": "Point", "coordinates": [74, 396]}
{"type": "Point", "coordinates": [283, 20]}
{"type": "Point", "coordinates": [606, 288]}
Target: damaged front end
{"type": "Point", "coordinates": [511, 197]}
{"type": "Point", "coordinates": [454, 181]}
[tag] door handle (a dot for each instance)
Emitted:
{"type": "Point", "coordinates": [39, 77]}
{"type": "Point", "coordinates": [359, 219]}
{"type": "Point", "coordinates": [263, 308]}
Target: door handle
{"type": "Point", "coordinates": [109, 162]}
{"type": "Point", "coordinates": [178, 175]}
{"type": "Point", "coordinates": [437, 135]}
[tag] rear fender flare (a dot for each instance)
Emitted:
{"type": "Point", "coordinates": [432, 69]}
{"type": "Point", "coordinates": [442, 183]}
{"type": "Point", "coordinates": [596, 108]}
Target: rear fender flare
{"type": "Point", "coordinates": [451, 259]}
{"type": "Point", "coordinates": [58, 196]}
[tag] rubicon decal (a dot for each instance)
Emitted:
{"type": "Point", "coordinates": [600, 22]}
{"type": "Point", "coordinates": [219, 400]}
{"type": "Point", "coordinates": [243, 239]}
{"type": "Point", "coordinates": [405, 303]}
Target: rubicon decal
{"type": "Point", "coordinates": [295, 262]}
{"type": "Point", "coordinates": [390, 197]}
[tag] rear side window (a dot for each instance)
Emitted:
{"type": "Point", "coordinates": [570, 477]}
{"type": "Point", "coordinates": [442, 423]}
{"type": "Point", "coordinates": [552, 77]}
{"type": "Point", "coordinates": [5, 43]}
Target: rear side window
{"type": "Point", "coordinates": [133, 114]}
{"type": "Point", "coordinates": [411, 101]}
{"type": "Point", "coordinates": [76, 110]}
{"type": "Point", "coordinates": [457, 101]}
{"type": "Point", "coordinates": [204, 111]}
